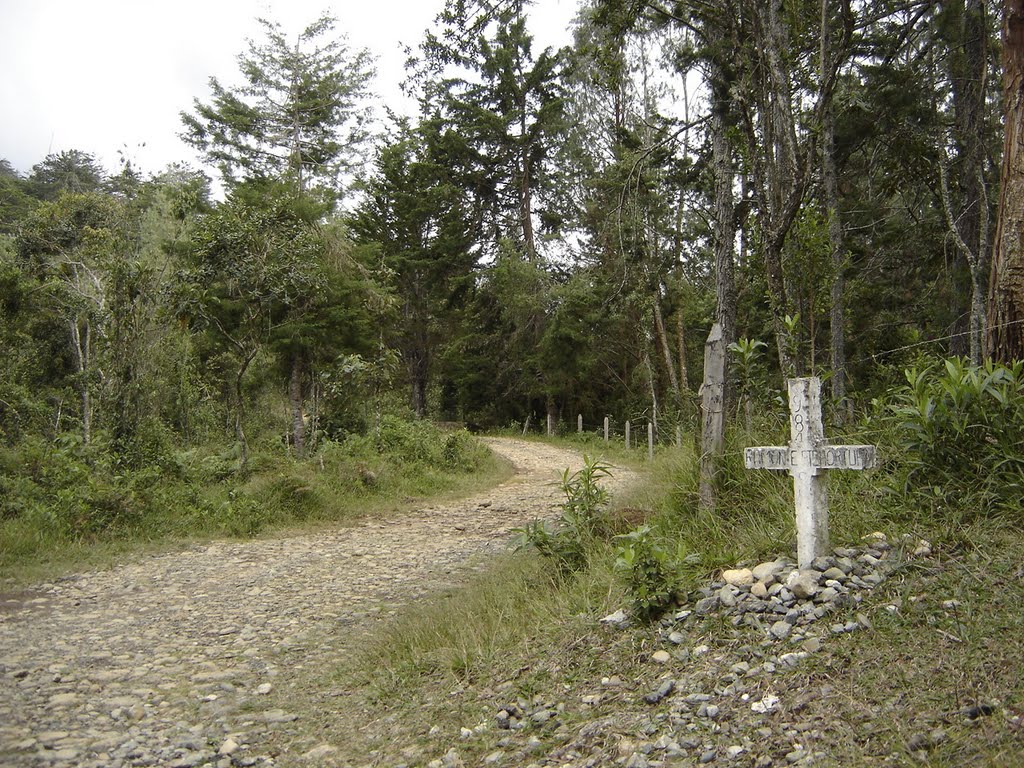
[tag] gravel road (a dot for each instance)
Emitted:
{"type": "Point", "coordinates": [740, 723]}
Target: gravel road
{"type": "Point", "coordinates": [173, 660]}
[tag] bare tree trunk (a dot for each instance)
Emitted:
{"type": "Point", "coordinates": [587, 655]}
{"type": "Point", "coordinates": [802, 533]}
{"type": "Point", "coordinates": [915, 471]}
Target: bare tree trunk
{"type": "Point", "coordinates": [1006, 292]}
{"type": "Point", "coordinates": [681, 341]}
{"type": "Point", "coordinates": [830, 188]}
{"type": "Point", "coordinates": [837, 310]}
{"type": "Point", "coordinates": [296, 401]}
{"type": "Point", "coordinates": [724, 224]}
{"type": "Point", "coordinates": [243, 444]}
{"type": "Point", "coordinates": [552, 414]}
{"type": "Point", "coordinates": [80, 347]}
{"type": "Point", "coordinates": [712, 414]}
{"type": "Point", "coordinates": [659, 328]}
{"type": "Point", "coordinates": [968, 221]}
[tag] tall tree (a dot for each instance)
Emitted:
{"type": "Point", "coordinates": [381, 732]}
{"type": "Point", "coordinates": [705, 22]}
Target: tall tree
{"type": "Point", "coordinates": [300, 120]}
{"type": "Point", "coordinates": [68, 171]}
{"type": "Point", "coordinates": [414, 212]}
{"type": "Point", "coordinates": [301, 115]}
{"type": "Point", "coordinates": [251, 265]}
{"type": "Point", "coordinates": [1006, 297]}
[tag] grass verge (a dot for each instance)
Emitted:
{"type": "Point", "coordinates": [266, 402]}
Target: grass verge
{"type": "Point", "coordinates": [934, 680]}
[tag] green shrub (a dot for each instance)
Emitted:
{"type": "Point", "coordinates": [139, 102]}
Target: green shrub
{"type": "Point", "coordinates": [583, 524]}
{"type": "Point", "coordinates": [651, 570]}
{"type": "Point", "coordinates": [961, 432]}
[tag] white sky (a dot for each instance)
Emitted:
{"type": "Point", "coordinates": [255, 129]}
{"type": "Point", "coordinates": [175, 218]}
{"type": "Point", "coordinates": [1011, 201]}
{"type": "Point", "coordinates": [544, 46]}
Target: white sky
{"type": "Point", "coordinates": [106, 75]}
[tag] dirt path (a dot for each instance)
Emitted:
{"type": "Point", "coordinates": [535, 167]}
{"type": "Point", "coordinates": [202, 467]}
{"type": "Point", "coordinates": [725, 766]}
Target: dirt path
{"type": "Point", "coordinates": [173, 660]}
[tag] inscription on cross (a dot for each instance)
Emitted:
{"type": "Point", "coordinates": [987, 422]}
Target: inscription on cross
{"type": "Point", "coordinates": [805, 458]}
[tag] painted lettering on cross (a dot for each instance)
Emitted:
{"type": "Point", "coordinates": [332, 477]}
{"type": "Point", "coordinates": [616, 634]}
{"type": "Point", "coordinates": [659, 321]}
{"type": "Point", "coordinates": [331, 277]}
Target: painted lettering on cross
{"type": "Point", "coordinates": [783, 459]}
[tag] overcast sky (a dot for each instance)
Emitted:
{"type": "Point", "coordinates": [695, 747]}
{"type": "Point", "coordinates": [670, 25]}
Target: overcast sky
{"type": "Point", "coordinates": [107, 75]}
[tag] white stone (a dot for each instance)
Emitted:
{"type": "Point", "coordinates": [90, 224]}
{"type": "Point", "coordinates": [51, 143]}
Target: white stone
{"type": "Point", "coordinates": [661, 657]}
{"type": "Point", "coordinates": [738, 577]}
{"type": "Point", "coordinates": [769, 703]}
{"type": "Point", "coordinates": [619, 619]}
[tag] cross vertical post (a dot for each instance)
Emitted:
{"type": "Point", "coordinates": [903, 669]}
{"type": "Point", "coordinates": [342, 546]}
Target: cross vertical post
{"type": "Point", "coordinates": [807, 457]}
{"type": "Point", "coordinates": [807, 435]}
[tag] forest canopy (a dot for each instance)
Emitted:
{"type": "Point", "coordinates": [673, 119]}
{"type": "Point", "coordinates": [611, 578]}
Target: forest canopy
{"type": "Point", "coordinates": [552, 235]}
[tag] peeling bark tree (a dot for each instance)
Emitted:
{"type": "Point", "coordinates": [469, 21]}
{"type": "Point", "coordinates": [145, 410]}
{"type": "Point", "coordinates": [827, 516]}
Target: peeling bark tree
{"type": "Point", "coordinates": [1006, 293]}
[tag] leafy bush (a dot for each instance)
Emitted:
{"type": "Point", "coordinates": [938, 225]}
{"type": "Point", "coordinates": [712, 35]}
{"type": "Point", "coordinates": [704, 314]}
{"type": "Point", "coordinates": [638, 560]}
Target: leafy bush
{"type": "Point", "coordinates": [650, 568]}
{"type": "Point", "coordinates": [583, 524]}
{"type": "Point", "coordinates": [962, 431]}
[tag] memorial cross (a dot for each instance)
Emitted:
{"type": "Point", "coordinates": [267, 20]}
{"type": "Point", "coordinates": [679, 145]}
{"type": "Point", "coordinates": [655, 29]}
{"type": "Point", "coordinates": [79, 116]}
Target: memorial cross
{"type": "Point", "coordinates": [805, 458]}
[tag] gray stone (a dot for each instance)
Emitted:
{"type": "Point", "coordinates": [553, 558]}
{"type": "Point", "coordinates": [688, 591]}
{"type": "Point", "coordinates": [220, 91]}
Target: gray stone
{"type": "Point", "coordinates": [780, 630]}
{"type": "Point", "coordinates": [663, 690]}
{"type": "Point", "coordinates": [319, 753]}
{"type": "Point", "coordinates": [727, 596]}
{"type": "Point", "coordinates": [766, 572]}
{"type": "Point", "coordinates": [708, 756]}
{"type": "Point", "coordinates": [827, 595]}
{"type": "Point", "coordinates": [706, 605]}
{"type": "Point", "coordinates": [804, 584]}
{"type": "Point", "coordinates": [835, 573]}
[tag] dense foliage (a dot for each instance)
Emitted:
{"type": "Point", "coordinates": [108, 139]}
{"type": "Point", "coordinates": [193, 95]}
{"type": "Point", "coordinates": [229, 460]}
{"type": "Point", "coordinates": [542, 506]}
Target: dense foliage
{"type": "Point", "coordinates": [551, 236]}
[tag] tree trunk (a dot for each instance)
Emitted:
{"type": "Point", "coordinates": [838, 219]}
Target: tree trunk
{"type": "Point", "coordinates": [243, 444]}
{"type": "Point", "coordinates": [681, 341]}
{"type": "Point", "coordinates": [552, 413]}
{"type": "Point", "coordinates": [837, 310]}
{"type": "Point", "coordinates": [295, 399]}
{"type": "Point", "coordinates": [659, 327]}
{"type": "Point", "coordinates": [1006, 291]}
{"type": "Point", "coordinates": [969, 222]}
{"type": "Point", "coordinates": [724, 223]}
{"type": "Point", "coordinates": [80, 350]}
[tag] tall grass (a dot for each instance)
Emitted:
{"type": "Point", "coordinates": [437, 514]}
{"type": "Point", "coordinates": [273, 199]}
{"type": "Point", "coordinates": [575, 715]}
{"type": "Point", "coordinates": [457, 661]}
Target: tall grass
{"type": "Point", "coordinates": [65, 506]}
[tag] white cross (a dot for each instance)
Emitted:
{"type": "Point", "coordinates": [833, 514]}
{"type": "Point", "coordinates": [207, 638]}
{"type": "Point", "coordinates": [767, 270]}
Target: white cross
{"type": "Point", "coordinates": [807, 455]}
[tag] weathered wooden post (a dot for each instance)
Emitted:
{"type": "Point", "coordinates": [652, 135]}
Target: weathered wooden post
{"type": "Point", "coordinates": [627, 434]}
{"type": "Point", "coordinates": [606, 429]}
{"type": "Point", "coordinates": [712, 406]}
{"type": "Point", "coordinates": [679, 435]}
{"type": "Point", "coordinates": [650, 441]}
{"type": "Point", "coordinates": [579, 423]}
{"type": "Point", "coordinates": [806, 458]}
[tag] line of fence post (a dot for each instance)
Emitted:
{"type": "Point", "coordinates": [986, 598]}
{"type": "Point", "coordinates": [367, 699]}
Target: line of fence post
{"type": "Point", "coordinates": [650, 441]}
{"type": "Point", "coordinates": [606, 429]}
{"type": "Point", "coordinates": [627, 434]}
{"type": "Point", "coordinates": [579, 423]}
